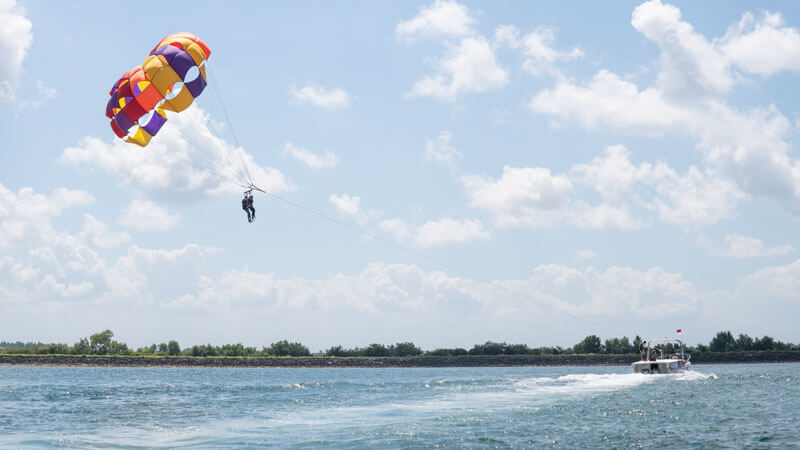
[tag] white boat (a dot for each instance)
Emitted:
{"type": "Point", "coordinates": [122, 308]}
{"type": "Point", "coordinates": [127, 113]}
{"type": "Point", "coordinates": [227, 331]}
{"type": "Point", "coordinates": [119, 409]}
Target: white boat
{"type": "Point", "coordinates": [654, 359]}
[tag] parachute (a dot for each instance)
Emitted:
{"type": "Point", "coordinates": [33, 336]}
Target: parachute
{"type": "Point", "coordinates": [170, 78]}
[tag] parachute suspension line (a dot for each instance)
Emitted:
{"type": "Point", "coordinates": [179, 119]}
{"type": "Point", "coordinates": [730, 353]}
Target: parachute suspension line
{"type": "Point", "coordinates": [224, 162]}
{"type": "Point", "coordinates": [218, 94]}
{"type": "Point", "coordinates": [441, 263]}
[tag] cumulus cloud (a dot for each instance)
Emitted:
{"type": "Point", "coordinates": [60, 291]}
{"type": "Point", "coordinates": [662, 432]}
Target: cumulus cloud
{"type": "Point", "coordinates": [469, 65]}
{"type": "Point", "coordinates": [327, 160]}
{"type": "Point", "coordinates": [185, 161]}
{"type": "Point", "coordinates": [691, 66]}
{"type": "Point", "coordinates": [530, 197]}
{"type": "Point", "coordinates": [25, 217]}
{"type": "Point", "coordinates": [348, 207]}
{"type": "Point", "coordinates": [15, 39]}
{"type": "Point", "coordinates": [442, 18]}
{"type": "Point", "coordinates": [608, 100]}
{"type": "Point", "coordinates": [735, 245]}
{"type": "Point", "coordinates": [97, 234]}
{"type": "Point", "coordinates": [689, 200]}
{"type": "Point", "coordinates": [321, 96]}
{"type": "Point", "coordinates": [45, 268]}
{"type": "Point", "coordinates": [537, 47]}
{"type": "Point", "coordinates": [39, 261]}
{"type": "Point", "coordinates": [746, 153]}
{"type": "Point", "coordinates": [631, 196]}
{"type": "Point", "coordinates": [145, 215]}
{"type": "Point", "coordinates": [763, 47]}
{"type": "Point", "coordinates": [445, 231]}
{"type": "Point", "coordinates": [155, 276]}
{"type": "Point", "coordinates": [441, 151]}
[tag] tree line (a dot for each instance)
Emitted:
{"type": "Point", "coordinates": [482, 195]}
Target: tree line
{"type": "Point", "coordinates": [103, 343]}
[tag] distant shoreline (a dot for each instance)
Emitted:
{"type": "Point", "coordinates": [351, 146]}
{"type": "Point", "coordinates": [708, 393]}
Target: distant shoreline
{"type": "Point", "coordinates": [380, 362]}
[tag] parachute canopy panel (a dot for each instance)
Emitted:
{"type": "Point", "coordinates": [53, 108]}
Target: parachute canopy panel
{"type": "Point", "coordinates": [170, 78]}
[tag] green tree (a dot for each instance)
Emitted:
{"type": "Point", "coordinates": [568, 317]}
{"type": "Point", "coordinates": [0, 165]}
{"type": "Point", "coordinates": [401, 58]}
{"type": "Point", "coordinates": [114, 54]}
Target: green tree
{"type": "Point", "coordinates": [376, 350]}
{"type": "Point", "coordinates": [405, 349]}
{"type": "Point", "coordinates": [82, 347]}
{"type": "Point", "coordinates": [488, 348]}
{"type": "Point", "coordinates": [173, 349]}
{"type": "Point", "coordinates": [722, 342]}
{"type": "Point", "coordinates": [744, 343]}
{"type": "Point", "coordinates": [336, 350]}
{"type": "Point", "coordinates": [118, 348]}
{"type": "Point", "coordinates": [101, 342]}
{"type": "Point", "coordinates": [589, 344]}
{"type": "Point", "coordinates": [286, 348]}
{"type": "Point", "coordinates": [766, 343]}
{"type": "Point", "coordinates": [448, 352]}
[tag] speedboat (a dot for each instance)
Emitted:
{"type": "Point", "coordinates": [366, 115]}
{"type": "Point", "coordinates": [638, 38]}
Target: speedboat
{"type": "Point", "coordinates": [656, 359]}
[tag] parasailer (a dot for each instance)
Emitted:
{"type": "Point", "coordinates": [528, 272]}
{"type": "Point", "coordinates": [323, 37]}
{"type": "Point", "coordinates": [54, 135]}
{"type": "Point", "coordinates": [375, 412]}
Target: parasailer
{"type": "Point", "coordinates": [246, 207]}
{"type": "Point", "coordinates": [171, 78]}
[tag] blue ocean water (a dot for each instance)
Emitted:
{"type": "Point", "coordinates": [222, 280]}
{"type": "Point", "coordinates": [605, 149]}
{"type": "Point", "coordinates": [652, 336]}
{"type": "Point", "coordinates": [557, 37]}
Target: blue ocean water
{"type": "Point", "coordinates": [734, 406]}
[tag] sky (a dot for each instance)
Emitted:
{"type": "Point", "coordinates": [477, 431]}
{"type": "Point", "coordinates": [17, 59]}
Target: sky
{"type": "Point", "coordinates": [445, 173]}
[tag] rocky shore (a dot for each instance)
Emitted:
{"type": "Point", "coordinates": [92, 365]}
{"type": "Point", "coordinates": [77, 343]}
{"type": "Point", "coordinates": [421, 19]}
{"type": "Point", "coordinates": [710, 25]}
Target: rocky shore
{"type": "Point", "coordinates": [422, 361]}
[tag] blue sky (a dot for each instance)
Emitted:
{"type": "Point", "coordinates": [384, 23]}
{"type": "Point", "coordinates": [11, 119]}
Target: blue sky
{"type": "Point", "coordinates": [541, 172]}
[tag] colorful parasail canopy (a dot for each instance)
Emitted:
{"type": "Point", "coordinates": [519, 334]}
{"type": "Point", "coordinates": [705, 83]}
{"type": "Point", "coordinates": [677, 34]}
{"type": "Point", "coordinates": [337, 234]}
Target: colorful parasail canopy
{"type": "Point", "coordinates": [170, 78]}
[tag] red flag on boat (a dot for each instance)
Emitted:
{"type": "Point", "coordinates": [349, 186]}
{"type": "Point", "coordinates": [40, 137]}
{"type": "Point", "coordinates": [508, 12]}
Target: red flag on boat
{"type": "Point", "coordinates": [679, 331]}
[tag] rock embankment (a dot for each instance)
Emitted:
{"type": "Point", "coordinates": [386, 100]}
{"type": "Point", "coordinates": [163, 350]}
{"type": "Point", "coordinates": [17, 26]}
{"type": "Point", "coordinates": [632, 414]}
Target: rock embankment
{"type": "Point", "coordinates": [422, 361]}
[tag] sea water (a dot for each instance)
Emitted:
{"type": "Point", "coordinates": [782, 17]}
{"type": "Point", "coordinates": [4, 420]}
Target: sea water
{"type": "Point", "coordinates": [733, 406]}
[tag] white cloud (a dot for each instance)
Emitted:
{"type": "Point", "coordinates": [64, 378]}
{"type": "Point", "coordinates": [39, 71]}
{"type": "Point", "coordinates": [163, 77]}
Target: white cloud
{"type": "Point", "coordinates": [690, 200]}
{"type": "Point", "coordinates": [608, 100]}
{"type": "Point", "coordinates": [321, 96]}
{"type": "Point", "coordinates": [445, 231]}
{"type": "Point", "coordinates": [97, 234]}
{"type": "Point", "coordinates": [25, 217]}
{"type": "Point", "coordinates": [41, 263]}
{"type": "Point", "coordinates": [185, 161]}
{"type": "Point", "coordinates": [537, 47]}
{"type": "Point", "coordinates": [450, 231]}
{"type": "Point", "coordinates": [741, 247]}
{"type": "Point", "coordinates": [393, 301]}
{"type": "Point", "coordinates": [764, 302]}
{"type": "Point", "coordinates": [145, 215]}
{"type": "Point", "coordinates": [327, 160]}
{"type": "Point", "coordinates": [15, 39]}
{"type": "Point", "coordinates": [762, 47]}
{"type": "Point", "coordinates": [155, 276]}
{"type": "Point", "coordinates": [691, 67]}
{"type": "Point", "coordinates": [529, 197]}
{"type": "Point", "coordinates": [615, 292]}
{"type": "Point", "coordinates": [631, 196]}
{"type": "Point", "coordinates": [44, 94]}
{"type": "Point", "coordinates": [469, 66]}
{"type": "Point", "coordinates": [348, 207]}
{"type": "Point", "coordinates": [442, 18]}
{"type": "Point", "coordinates": [746, 153]}
{"type": "Point", "coordinates": [441, 151]}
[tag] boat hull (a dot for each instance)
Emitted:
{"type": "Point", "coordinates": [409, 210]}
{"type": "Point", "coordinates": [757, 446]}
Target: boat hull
{"type": "Point", "coordinates": [660, 366]}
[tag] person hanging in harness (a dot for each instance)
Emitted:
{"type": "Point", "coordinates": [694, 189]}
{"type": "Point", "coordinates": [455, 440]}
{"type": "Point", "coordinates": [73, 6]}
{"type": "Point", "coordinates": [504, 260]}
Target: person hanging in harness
{"type": "Point", "coordinates": [251, 211]}
{"type": "Point", "coordinates": [247, 203]}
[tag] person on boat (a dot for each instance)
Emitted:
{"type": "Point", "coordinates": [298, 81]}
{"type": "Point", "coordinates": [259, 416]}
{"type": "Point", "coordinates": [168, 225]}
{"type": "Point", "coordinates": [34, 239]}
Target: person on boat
{"type": "Point", "coordinates": [246, 207]}
{"type": "Point", "coordinates": [252, 211]}
{"type": "Point", "coordinates": [642, 346]}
